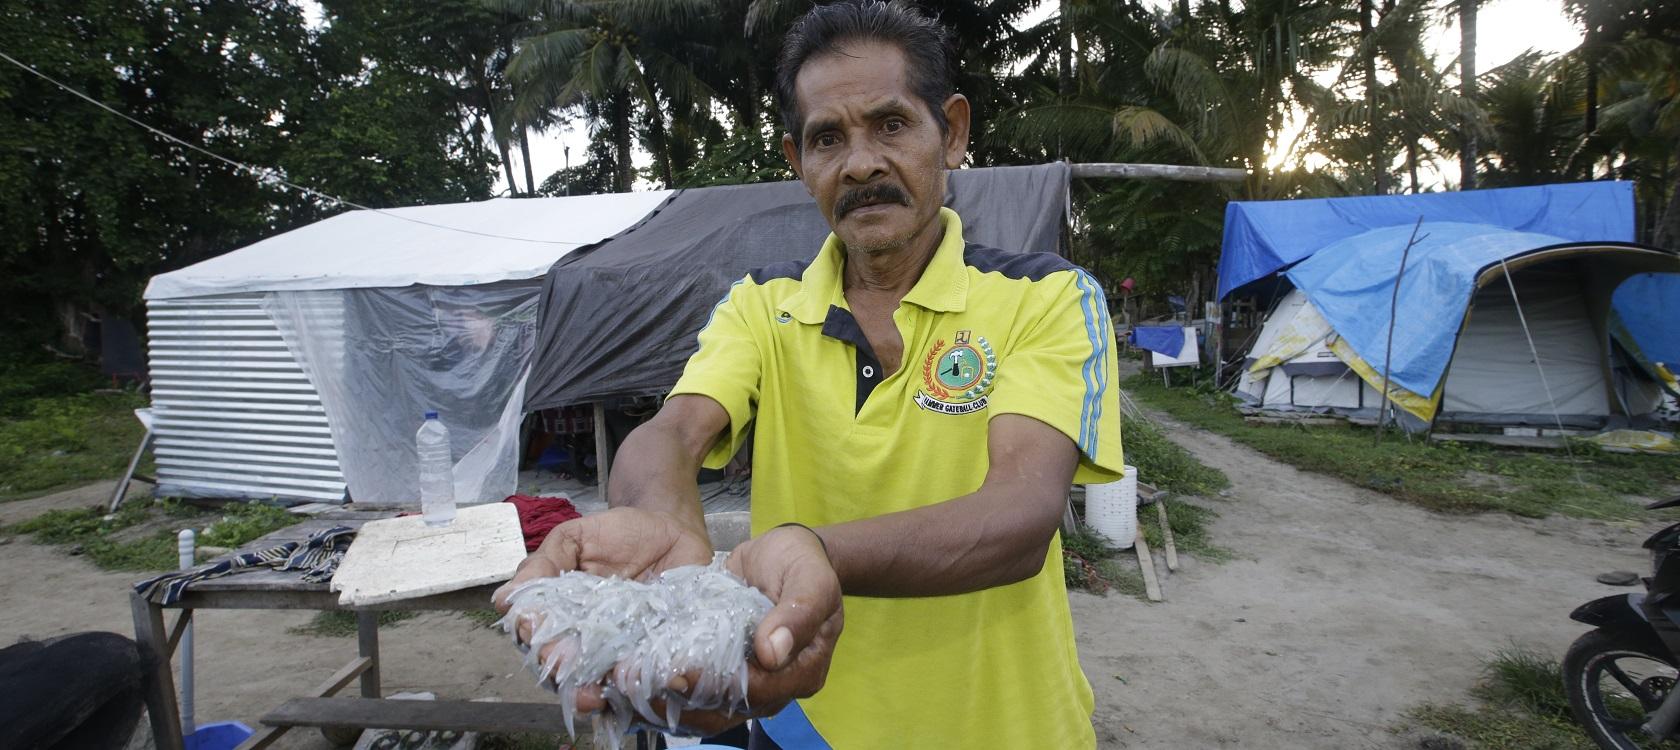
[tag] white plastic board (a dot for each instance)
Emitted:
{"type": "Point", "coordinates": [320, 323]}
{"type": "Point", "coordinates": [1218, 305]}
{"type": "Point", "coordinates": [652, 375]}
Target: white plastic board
{"type": "Point", "coordinates": [403, 558]}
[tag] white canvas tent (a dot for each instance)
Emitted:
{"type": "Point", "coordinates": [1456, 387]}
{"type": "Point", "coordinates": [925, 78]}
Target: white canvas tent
{"type": "Point", "coordinates": [298, 367]}
{"type": "Point", "coordinates": [1581, 379]}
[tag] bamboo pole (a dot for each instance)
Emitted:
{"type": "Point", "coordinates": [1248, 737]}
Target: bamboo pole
{"type": "Point", "coordinates": [1157, 172]}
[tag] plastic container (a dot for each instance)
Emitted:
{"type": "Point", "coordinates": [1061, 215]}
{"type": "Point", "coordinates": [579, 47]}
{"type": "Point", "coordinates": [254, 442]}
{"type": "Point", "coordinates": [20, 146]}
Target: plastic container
{"type": "Point", "coordinates": [437, 474]}
{"type": "Point", "coordinates": [1111, 509]}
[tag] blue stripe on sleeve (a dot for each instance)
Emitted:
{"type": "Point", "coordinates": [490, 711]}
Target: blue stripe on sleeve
{"type": "Point", "coordinates": [1092, 370]}
{"type": "Point", "coordinates": [713, 313]}
{"type": "Point", "coordinates": [792, 730]}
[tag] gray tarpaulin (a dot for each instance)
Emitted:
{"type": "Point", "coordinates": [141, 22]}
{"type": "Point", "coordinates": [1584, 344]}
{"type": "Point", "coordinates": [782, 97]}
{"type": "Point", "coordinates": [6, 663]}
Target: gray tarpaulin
{"type": "Point", "coordinates": [620, 319]}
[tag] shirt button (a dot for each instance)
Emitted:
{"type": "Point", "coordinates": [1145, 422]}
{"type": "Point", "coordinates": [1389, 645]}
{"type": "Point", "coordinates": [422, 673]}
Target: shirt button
{"type": "Point", "coordinates": [868, 372]}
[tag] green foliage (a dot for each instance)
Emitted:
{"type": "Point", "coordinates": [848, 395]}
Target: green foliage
{"type": "Point", "coordinates": [1164, 464]}
{"type": "Point", "coordinates": [25, 378]}
{"type": "Point", "coordinates": [140, 536]}
{"type": "Point", "coordinates": [1449, 477]}
{"type": "Point", "coordinates": [1522, 707]}
{"type": "Point", "coordinates": [342, 623]}
{"type": "Point", "coordinates": [50, 443]}
{"type": "Point", "coordinates": [92, 206]}
{"type": "Point", "coordinates": [243, 522]}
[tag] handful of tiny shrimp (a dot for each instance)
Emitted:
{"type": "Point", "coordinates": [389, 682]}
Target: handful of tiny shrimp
{"type": "Point", "coordinates": [632, 638]}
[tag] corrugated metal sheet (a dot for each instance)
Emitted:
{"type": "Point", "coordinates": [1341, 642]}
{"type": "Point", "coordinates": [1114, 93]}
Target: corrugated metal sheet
{"type": "Point", "coordinates": [233, 413]}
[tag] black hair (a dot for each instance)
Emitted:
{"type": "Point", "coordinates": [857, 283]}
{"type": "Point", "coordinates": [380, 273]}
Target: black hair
{"type": "Point", "coordinates": [827, 28]}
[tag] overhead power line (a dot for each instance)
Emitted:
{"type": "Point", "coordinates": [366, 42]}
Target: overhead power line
{"type": "Point", "coordinates": [265, 175]}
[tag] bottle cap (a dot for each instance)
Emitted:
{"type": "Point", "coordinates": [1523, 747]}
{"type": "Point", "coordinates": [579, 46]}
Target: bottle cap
{"type": "Point", "coordinates": [431, 415]}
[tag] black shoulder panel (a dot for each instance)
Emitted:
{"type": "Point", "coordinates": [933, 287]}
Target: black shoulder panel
{"type": "Point", "coordinates": [1029, 266]}
{"type": "Point", "coordinates": [787, 269]}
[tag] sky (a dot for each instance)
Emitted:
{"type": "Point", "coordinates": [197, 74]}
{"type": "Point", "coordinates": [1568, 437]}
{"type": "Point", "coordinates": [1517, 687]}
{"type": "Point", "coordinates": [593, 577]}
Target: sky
{"type": "Point", "coordinates": [1504, 29]}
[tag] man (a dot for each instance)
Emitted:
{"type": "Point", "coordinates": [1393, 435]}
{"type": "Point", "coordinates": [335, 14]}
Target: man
{"type": "Point", "coordinates": [919, 410]}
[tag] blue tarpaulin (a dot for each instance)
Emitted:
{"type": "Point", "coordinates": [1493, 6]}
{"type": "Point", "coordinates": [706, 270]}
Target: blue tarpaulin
{"type": "Point", "coordinates": [1351, 282]}
{"type": "Point", "coordinates": [1649, 306]}
{"type": "Point", "coordinates": [1168, 340]}
{"type": "Point", "coordinates": [1264, 237]}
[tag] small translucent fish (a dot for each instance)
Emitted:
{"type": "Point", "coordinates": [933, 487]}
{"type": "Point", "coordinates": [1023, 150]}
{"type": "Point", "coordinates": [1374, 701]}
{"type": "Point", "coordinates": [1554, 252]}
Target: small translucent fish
{"type": "Point", "coordinates": [632, 638]}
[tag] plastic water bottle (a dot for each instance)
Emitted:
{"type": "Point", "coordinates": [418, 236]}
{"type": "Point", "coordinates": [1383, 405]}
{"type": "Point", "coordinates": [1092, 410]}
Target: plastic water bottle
{"type": "Point", "coordinates": [437, 476]}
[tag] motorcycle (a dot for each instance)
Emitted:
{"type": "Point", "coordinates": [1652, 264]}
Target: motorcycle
{"type": "Point", "coordinates": [1621, 676]}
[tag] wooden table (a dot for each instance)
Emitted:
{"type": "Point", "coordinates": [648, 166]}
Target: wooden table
{"type": "Point", "coordinates": [269, 589]}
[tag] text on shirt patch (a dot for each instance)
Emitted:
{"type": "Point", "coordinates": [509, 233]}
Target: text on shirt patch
{"type": "Point", "coordinates": [957, 379]}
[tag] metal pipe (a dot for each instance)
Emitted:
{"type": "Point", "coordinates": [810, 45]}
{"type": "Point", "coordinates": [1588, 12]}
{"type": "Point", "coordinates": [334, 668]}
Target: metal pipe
{"type": "Point", "coordinates": [185, 544]}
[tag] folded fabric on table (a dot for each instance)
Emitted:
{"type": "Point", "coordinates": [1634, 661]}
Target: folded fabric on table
{"type": "Point", "coordinates": [539, 515]}
{"type": "Point", "coordinates": [1168, 340]}
{"type": "Point", "coordinates": [317, 557]}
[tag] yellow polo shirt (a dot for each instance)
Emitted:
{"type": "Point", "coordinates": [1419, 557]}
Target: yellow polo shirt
{"type": "Point", "coordinates": [985, 333]}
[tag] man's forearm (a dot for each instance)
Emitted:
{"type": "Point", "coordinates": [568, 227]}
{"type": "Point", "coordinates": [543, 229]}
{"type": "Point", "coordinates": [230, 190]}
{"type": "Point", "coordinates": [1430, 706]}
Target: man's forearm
{"type": "Point", "coordinates": [993, 537]}
{"type": "Point", "coordinates": [656, 472]}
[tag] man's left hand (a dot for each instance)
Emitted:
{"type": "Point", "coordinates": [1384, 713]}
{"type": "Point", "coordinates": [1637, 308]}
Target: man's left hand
{"type": "Point", "coordinates": [794, 643]}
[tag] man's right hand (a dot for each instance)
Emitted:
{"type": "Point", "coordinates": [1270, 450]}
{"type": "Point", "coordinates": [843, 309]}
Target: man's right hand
{"type": "Point", "coordinates": [626, 542]}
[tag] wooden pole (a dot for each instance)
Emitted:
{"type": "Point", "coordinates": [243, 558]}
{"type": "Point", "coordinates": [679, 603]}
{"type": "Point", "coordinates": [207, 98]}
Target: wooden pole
{"type": "Point", "coordinates": [1393, 309]}
{"type": "Point", "coordinates": [1157, 172]}
{"type": "Point", "coordinates": [603, 446]}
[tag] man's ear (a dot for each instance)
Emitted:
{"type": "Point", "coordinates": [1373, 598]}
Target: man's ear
{"type": "Point", "coordinates": [791, 151]}
{"type": "Point", "coordinates": [956, 135]}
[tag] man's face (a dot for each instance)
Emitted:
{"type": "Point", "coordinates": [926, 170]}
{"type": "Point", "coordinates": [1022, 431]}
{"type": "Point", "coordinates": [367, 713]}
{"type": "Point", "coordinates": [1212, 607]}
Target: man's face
{"type": "Point", "coordinates": [871, 152]}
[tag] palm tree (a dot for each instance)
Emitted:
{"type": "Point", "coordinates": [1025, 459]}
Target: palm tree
{"type": "Point", "coordinates": [625, 55]}
{"type": "Point", "coordinates": [1536, 112]}
{"type": "Point", "coordinates": [1215, 91]}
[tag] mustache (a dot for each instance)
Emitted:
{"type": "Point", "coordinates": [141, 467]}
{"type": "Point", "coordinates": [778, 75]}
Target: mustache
{"type": "Point", "coordinates": [870, 195]}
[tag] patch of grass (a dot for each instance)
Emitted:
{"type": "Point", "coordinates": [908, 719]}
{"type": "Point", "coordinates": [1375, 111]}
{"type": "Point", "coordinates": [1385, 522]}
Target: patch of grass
{"type": "Point", "coordinates": [51, 443]}
{"type": "Point", "coordinates": [1448, 477]}
{"type": "Point", "coordinates": [1522, 706]}
{"type": "Point", "coordinates": [342, 623]}
{"type": "Point", "coordinates": [140, 536]}
{"type": "Point", "coordinates": [1189, 524]}
{"type": "Point", "coordinates": [1496, 729]}
{"type": "Point", "coordinates": [243, 522]}
{"type": "Point", "coordinates": [531, 741]}
{"type": "Point", "coordinates": [1163, 463]}
{"type": "Point", "coordinates": [1089, 563]}
{"type": "Point", "coordinates": [484, 618]}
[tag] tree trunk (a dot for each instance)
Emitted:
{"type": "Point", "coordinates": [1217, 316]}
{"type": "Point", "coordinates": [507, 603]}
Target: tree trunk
{"type": "Point", "coordinates": [1411, 163]}
{"type": "Point", "coordinates": [525, 156]}
{"type": "Point", "coordinates": [1467, 89]}
{"type": "Point", "coordinates": [622, 171]}
{"type": "Point", "coordinates": [1588, 45]}
{"type": "Point", "coordinates": [750, 114]}
{"type": "Point", "coordinates": [1367, 29]}
{"type": "Point", "coordinates": [1064, 68]}
{"type": "Point", "coordinates": [661, 140]}
{"type": "Point", "coordinates": [1668, 228]}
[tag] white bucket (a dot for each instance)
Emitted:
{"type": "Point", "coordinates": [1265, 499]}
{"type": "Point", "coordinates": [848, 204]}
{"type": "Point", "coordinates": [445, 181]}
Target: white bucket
{"type": "Point", "coordinates": [1111, 509]}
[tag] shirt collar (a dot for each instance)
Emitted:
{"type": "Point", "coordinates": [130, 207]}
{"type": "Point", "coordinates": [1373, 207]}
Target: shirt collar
{"type": "Point", "coordinates": [943, 286]}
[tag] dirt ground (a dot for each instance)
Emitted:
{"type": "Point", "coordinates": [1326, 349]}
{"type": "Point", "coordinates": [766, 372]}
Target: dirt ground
{"type": "Point", "coordinates": [1342, 609]}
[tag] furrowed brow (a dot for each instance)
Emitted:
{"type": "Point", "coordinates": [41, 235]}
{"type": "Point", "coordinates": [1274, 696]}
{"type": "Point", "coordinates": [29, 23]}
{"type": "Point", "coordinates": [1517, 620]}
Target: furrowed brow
{"type": "Point", "coordinates": [890, 108]}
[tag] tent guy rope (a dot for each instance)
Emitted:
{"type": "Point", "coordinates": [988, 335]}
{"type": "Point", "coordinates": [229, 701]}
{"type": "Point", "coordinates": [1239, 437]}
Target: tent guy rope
{"type": "Point", "coordinates": [264, 175]}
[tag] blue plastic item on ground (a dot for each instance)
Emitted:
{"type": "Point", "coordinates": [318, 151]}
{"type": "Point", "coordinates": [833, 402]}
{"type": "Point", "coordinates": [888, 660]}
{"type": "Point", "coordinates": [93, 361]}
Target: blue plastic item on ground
{"type": "Point", "coordinates": [222, 735]}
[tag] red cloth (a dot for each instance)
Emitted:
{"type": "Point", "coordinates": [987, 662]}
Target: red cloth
{"type": "Point", "coordinates": [539, 515]}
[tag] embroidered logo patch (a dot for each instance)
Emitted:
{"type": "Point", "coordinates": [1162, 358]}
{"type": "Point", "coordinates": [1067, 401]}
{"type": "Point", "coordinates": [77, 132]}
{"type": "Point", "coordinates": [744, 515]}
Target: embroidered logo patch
{"type": "Point", "coordinates": [956, 380]}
